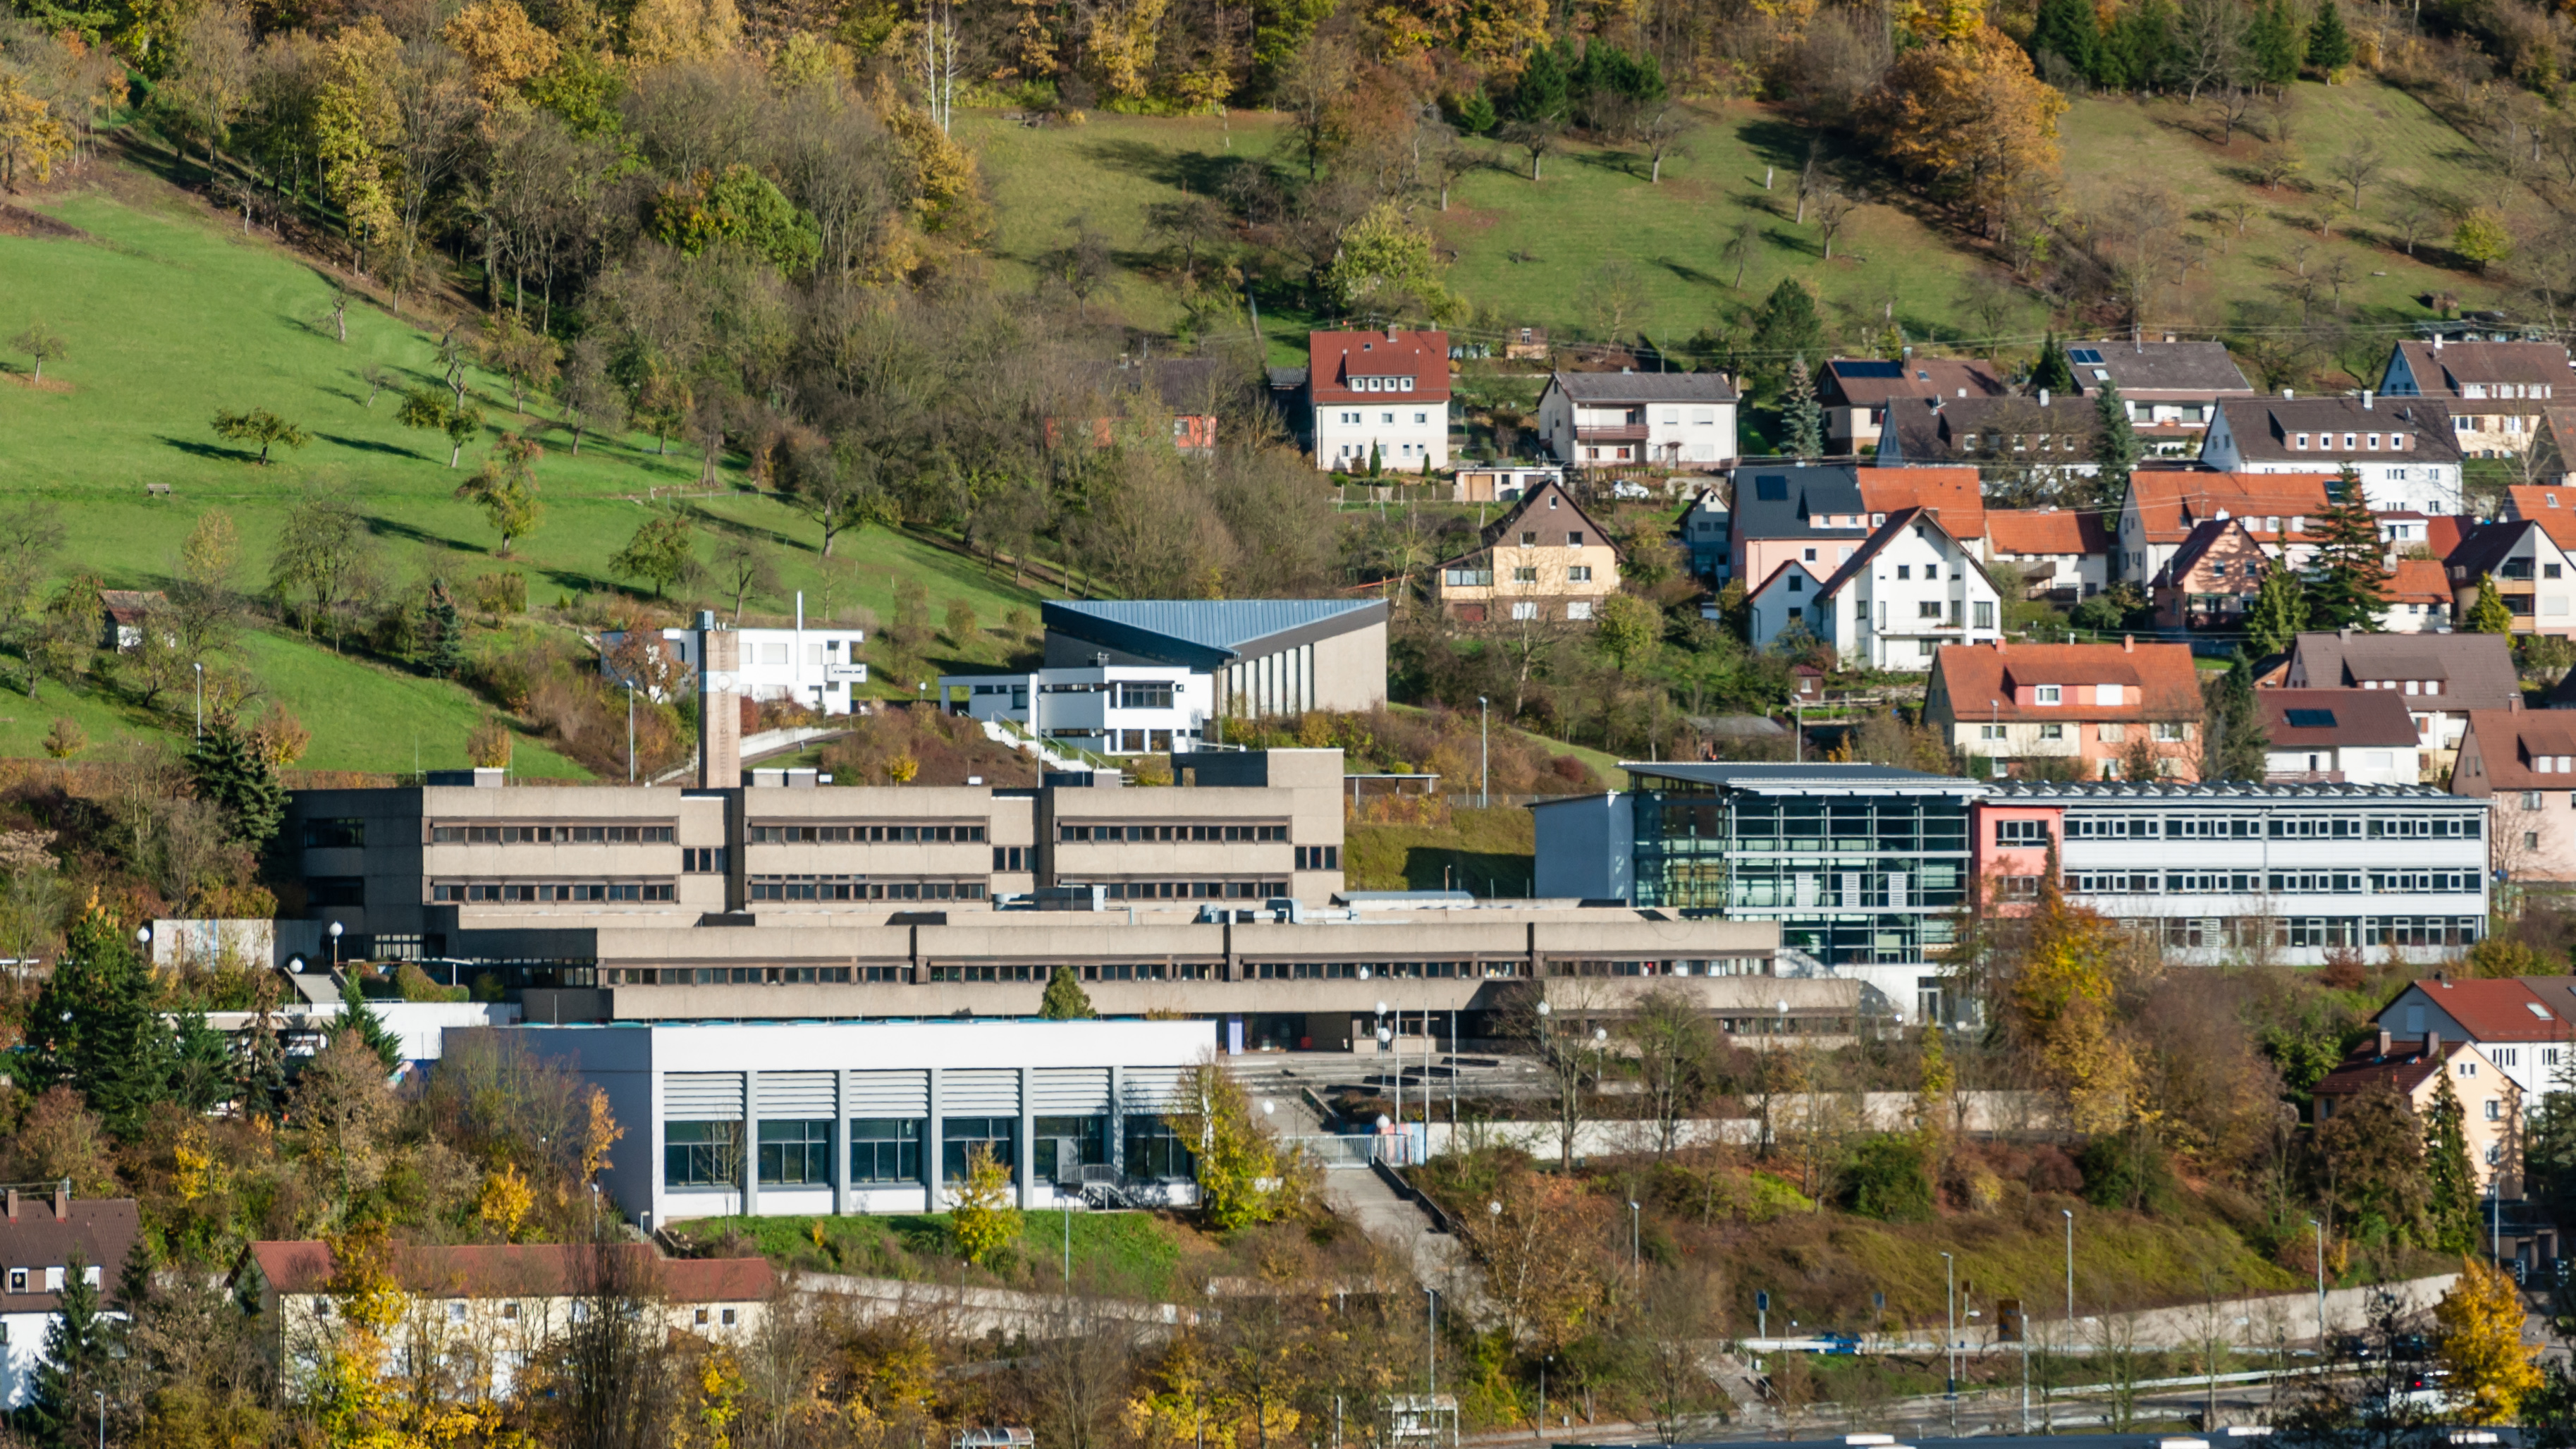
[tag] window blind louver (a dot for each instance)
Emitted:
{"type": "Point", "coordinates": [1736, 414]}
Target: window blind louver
{"type": "Point", "coordinates": [1069, 1091]}
{"type": "Point", "coordinates": [979, 1092]}
{"type": "Point", "coordinates": [796, 1094]}
{"type": "Point", "coordinates": [702, 1096]}
{"type": "Point", "coordinates": [1151, 1089]}
{"type": "Point", "coordinates": [888, 1094]}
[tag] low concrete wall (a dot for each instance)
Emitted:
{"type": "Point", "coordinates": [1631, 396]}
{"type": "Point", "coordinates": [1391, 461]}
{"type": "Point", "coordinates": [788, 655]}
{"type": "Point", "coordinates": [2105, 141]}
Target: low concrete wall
{"type": "Point", "coordinates": [1873, 1111]}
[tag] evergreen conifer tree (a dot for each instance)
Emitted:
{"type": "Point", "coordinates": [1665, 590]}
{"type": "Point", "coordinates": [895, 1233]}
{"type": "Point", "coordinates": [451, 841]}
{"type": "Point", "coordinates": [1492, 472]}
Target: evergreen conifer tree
{"type": "Point", "coordinates": [1786, 327]}
{"type": "Point", "coordinates": [2350, 571]}
{"type": "Point", "coordinates": [1065, 1000]}
{"type": "Point", "coordinates": [2280, 611]}
{"type": "Point", "coordinates": [446, 632]}
{"type": "Point", "coordinates": [2052, 371]}
{"type": "Point", "coordinates": [60, 1412]}
{"type": "Point", "coordinates": [2489, 614]}
{"type": "Point", "coordinates": [2115, 447]}
{"type": "Point", "coordinates": [357, 1016]}
{"type": "Point", "coordinates": [2275, 44]}
{"type": "Point", "coordinates": [96, 1026]}
{"type": "Point", "coordinates": [2329, 43]}
{"type": "Point", "coordinates": [229, 771]}
{"type": "Point", "coordinates": [2067, 29]}
{"type": "Point", "coordinates": [1802, 419]}
{"type": "Point", "coordinates": [2233, 741]}
{"type": "Point", "coordinates": [2447, 1172]}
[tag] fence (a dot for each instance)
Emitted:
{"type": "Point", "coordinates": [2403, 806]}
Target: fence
{"type": "Point", "coordinates": [1360, 1150]}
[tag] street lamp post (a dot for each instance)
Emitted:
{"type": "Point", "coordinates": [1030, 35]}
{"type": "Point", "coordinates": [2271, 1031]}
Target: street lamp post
{"type": "Point", "coordinates": [2070, 1268]}
{"type": "Point", "coordinates": [1484, 717]}
{"type": "Point", "coordinates": [1633, 1257]}
{"type": "Point", "coordinates": [336, 928]}
{"type": "Point", "coordinates": [630, 732]}
{"type": "Point", "coordinates": [2319, 1229]}
{"type": "Point", "coordinates": [1430, 1351]}
{"type": "Point", "coordinates": [1542, 1394]}
{"type": "Point", "coordinates": [1950, 1338]}
{"type": "Point", "coordinates": [201, 701]}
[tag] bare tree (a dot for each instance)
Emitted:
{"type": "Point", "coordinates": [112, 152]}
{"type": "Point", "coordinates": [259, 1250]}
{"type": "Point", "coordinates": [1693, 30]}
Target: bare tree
{"type": "Point", "coordinates": [2357, 166]}
{"type": "Point", "coordinates": [1743, 239]}
{"type": "Point", "coordinates": [1669, 1032]}
{"type": "Point", "coordinates": [1677, 1321]}
{"type": "Point", "coordinates": [611, 1394]}
{"type": "Point", "coordinates": [1833, 211]}
{"type": "Point", "coordinates": [1663, 137]}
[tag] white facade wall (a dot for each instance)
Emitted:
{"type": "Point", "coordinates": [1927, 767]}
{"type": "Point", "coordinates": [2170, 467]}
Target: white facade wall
{"type": "Point", "coordinates": [2532, 1065]}
{"type": "Point", "coordinates": [2360, 764]}
{"type": "Point", "coordinates": [2187, 886]}
{"type": "Point", "coordinates": [1114, 710]}
{"type": "Point", "coordinates": [2393, 482]}
{"type": "Point", "coordinates": [818, 668]}
{"type": "Point", "coordinates": [1676, 432]}
{"type": "Point", "coordinates": [925, 1072]}
{"type": "Point", "coordinates": [1404, 428]}
{"type": "Point", "coordinates": [1919, 592]}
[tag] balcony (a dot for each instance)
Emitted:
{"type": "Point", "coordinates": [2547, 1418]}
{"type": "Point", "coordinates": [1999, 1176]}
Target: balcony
{"type": "Point", "coordinates": [1621, 433]}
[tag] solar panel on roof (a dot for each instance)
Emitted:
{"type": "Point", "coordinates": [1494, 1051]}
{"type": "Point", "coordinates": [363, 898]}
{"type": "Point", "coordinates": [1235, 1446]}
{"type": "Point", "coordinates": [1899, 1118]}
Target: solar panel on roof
{"type": "Point", "coordinates": [2091, 355]}
{"type": "Point", "coordinates": [1870, 369]}
{"type": "Point", "coordinates": [1771, 487]}
{"type": "Point", "coordinates": [2312, 719]}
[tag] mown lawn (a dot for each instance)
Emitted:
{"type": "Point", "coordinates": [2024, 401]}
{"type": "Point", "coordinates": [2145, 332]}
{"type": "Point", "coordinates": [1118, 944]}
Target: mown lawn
{"type": "Point", "coordinates": [172, 315]}
{"type": "Point", "coordinates": [1131, 1254]}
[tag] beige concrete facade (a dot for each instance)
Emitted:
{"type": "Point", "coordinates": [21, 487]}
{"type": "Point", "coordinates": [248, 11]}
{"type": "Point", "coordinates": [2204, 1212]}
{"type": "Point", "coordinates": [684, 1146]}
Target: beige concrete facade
{"type": "Point", "coordinates": [394, 867]}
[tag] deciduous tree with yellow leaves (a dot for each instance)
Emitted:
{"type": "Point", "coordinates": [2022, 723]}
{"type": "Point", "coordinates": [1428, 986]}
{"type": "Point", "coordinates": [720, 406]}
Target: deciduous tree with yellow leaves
{"type": "Point", "coordinates": [1965, 112]}
{"type": "Point", "coordinates": [2492, 1369]}
{"type": "Point", "coordinates": [2061, 1011]}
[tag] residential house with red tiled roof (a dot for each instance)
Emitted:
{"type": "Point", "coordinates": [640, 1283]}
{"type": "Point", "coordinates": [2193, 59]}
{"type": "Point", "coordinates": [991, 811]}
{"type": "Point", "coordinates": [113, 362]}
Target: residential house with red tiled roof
{"type": "Point", "coordinates": [2210, 581]}
{"type": "Point", "coordinates": [2338, 736]}
{"type": "Point", "coordinates": [2062, 553]}
{"type": "Point", "coordinates": [2162, 507]}
{"type": "Point", "coordinates": [2414, 1068]}
{"type": "Point", "coordinates": [481, 1312]}
{"type": "Point", "coordinates": [1379, 396]}
{"type": "Point", "coordinates": [2551, 506]}
{"type": "Point", "coordinates": [2520, 1023]}
{"type": "Point", "coordinates": [2525, 761]}
{"type": "Point", "coordinates": [2419, 598]}
{"type": "Point", "coordinates": [1955, 496]}
{"type": "Point", "coordinates": [2089, 703]}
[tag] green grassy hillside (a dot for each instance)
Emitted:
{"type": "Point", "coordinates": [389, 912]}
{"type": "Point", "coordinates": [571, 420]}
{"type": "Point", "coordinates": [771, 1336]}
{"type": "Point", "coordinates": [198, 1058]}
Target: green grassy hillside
{"type": "Point", "coordinates": [1534, 252]}
{"type": "Point", "coordinates": [171, 315]}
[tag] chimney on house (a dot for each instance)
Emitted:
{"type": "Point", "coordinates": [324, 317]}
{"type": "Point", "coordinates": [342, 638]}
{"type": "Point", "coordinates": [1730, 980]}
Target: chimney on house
{"type": "Point", "coordinates": [13, 1204]}
{"type": "Point", "coordinates": [2432, 1044]}
{"type": "Point", "coordinates": [2365, 399]}
{"type": "Point", "coordinates": [2383, 1042]}
{"type": "Point", "coordinates": [63, 1201]}
{"type": "Point", "coordinates": [1963, 392]}
{"type": "Point", "coordinates": [719, 705]}
{"type": "Point", "coordinates": [2128, 643]}
{"type": "Point", "coordinates": [2289, 395]}
{"type": "Point", "coordinates": [2043, 397]}
{"type": "Point", "coordinates": [2437, 342]}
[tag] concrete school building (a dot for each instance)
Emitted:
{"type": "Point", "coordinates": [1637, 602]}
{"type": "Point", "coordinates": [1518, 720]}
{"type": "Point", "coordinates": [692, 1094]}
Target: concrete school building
{"type": "Point", "coordinates": [802, 1118]}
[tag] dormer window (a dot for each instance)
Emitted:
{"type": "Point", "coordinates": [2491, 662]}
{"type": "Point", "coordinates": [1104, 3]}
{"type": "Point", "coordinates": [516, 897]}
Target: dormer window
{"type": "Point", "coordinates": [2372, 442]}
{"type": "Point", "coordinates": [2301, 441]}
{"type": "Point", "coordinates": [1404, 384]}
{"type": "Point", "coordinates": [2047, 694]}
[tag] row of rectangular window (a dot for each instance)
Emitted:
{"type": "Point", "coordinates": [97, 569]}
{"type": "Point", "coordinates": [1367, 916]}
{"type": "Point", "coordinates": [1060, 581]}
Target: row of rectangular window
{"type": "Point", "coordinates": [517, 892]}
{"type": "Point", "coordinates": [757, 975]}
{"type": "Point", "coordinates": [2255, 932]}
{"type": "Point", "coordinates": [887, 1150]}
{"type": "Point", "coordinates": [848, 888]}
{"type": "Point", "coordinates": [1190, 890]}
{"type": "Point", "coordinates": [552, 834]}
{"type": "Point", "coordinates": [2279, 882]}
{"type": "Point", "coordinates": [2449, 825]}
{"type": "Point", "coordinates": [1319, 857]}
{"type": "Point", "coordinates": [1104, 834]}
{"type": "Point", "coordinates": [863, 834]}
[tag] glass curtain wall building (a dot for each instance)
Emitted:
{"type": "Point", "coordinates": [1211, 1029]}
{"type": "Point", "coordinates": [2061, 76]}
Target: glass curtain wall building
{"type": "Point", "coordinates": [1865, 867]}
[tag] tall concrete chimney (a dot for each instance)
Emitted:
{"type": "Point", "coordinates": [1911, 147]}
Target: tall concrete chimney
{"type": "Point", "coordinates": [719, 705]}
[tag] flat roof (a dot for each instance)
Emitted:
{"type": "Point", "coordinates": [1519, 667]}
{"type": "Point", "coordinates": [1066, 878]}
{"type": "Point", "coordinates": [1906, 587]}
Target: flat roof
{"type": "Point", "coordinates": [1225, 629]}
{"type": "Point", "coordinates": [1779, 779]}
{"type": "Point", "coordinates": [2221, 792]}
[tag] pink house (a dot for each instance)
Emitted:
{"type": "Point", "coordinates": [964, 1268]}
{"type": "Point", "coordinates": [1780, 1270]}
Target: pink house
{"type": "Point", "coordinates": [2011, 852]}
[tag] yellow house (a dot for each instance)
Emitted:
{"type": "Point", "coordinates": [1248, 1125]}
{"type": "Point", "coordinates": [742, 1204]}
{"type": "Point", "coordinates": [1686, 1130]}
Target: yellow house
{"type": "Point", "coordinates": [1544, 560]}
{"type": "Point", "coordinates": [2414, 1067]}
